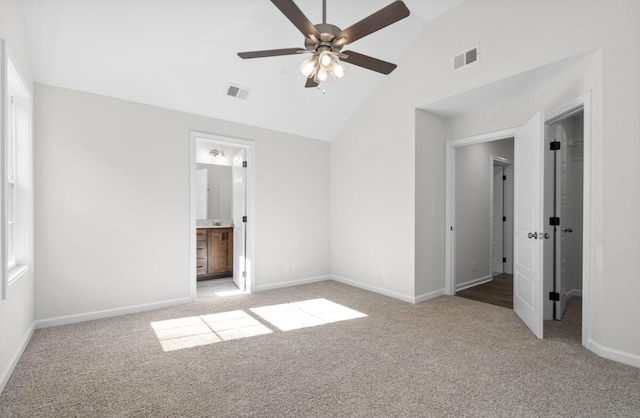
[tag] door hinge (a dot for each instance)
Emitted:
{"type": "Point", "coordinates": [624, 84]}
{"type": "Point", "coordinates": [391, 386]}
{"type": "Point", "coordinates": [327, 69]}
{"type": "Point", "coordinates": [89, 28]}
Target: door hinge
{"type": "Point", "coordinates": [554, 221]}
{"type": "Point", "coordinates": [504, 219]}
{"type": "Point", "coordinates": [554, 145]}
{"type": "Point", "coordinates": [244, 219]}
{"type": "Point", "coordinates": [554, 296]}
{"type": "Point", "coordinates": [244, 274]}
{"type": "Point", "coordinates": [504, 259]}
{"type": "Point", "coordinates": [504, 177]}
{"type": "Point", "coordinates": [244, 164]}
{"type": "Point", "coordinates": [451, 228]}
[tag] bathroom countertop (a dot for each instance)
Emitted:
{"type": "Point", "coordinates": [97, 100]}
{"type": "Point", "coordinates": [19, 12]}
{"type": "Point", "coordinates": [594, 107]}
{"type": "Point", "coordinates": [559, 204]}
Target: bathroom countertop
{"type": "Point", "coordinates": [213, 226]}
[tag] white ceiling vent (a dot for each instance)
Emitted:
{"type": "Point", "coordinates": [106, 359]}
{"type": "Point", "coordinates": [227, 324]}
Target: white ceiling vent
{"type": "Point", "coordinates": [465, 58]}
{"type": "Point", "coordinates": [237, 91]}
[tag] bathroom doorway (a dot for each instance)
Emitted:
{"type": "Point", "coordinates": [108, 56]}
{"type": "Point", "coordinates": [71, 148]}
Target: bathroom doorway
{"type": "Point", "coordinates": [221, 223]}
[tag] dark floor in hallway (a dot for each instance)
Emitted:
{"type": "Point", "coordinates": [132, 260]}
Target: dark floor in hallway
{"type": "Point", "coordinates": [498, 291]}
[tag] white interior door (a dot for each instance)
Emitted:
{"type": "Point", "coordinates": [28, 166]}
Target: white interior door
{"type": "Point", "coordinates": [239, 175]}
{"type": "Point", "coordinates": [528, 225]}
{"type": "Point", "coordinates": [561, 247]}
{"type": "Point", "coordinates": [202, 193]}
{"type": "Point", "coordinates": [498, 214]}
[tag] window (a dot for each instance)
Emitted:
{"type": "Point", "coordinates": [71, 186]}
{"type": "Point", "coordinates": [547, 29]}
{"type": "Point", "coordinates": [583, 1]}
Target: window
{"type": "Point", "coordinates": [11, 181]}
{"type": "Point", "coordinates": [17, 206]}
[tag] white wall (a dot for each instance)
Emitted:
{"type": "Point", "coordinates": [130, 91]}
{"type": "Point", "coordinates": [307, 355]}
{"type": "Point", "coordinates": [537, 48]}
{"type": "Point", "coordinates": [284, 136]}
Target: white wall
{"type": "Point", "coordinates": [219, 192]}
{"type": "Point", "coordinates": [112, 224]}
{"type": "Point", "coordinates": [472, 207]}
{"type": "Point", "coordinates": [372, 201]}
{"type": "Point", "coordinates": [17, 311]}
{"type": "Point", "coordinates": [373, 169]}
{"type": "Point", "coordinates": [429, 234]}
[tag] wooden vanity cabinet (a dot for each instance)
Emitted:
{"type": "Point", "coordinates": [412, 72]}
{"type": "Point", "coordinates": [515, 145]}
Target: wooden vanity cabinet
{"type": "Point", "coordinates": [214, 248]}
{"type": "Point", "coordinates": [202, 249]}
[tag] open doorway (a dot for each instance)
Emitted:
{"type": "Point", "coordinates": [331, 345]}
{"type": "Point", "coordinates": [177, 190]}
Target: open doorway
{"type": "Point", "coordinates": [501, 222]}
{"type": "Point", "coordinates": [221, 201]}
{"type": "Point", "coordinates": [538, 279]}
{"type": "Point", "coordinates": [483, 195]}
{"type": "Point", "coordinates": [564, 186]}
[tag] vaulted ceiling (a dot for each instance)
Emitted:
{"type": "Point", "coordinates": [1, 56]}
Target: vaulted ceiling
{"type": "Point", "coordinates": [181, 55]}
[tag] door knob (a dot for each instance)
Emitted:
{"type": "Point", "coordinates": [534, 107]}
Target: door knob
{"type": "Point", "coordinates": [567, 229]}
{"type": "Point", "coordinates": [538, 235]}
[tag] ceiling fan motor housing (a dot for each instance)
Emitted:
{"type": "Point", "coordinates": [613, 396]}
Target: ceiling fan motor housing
{"type": "Point", "coordinates": [327, 33]}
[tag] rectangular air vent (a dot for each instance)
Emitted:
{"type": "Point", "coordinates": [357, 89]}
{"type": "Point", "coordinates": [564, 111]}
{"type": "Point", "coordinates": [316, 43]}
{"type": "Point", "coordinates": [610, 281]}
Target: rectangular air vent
{"type": "Point", "coordinates": [237, 91]}
{"type": "Point", "coordinates": [465, 58]}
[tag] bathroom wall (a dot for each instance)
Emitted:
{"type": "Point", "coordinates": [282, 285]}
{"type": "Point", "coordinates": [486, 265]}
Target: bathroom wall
{"type": "Point", "coordinates": [220, 191]}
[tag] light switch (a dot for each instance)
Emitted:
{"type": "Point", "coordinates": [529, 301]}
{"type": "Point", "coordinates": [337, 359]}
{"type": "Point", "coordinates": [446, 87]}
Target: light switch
{"type": "Point", "coordinates": [432, 211]}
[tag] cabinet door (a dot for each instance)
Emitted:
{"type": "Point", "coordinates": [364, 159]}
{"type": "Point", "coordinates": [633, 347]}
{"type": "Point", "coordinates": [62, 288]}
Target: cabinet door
{"type": "Point", "coordinates": [217, 251]}
{"type": "Point", "coordinates": [229, 240]}
{"type": "Point", "coordinates": [202, 252]}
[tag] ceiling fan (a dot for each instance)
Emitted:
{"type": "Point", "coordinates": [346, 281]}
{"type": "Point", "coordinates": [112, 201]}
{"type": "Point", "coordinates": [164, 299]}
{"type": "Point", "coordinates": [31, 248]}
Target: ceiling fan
{"type": "Point", "coordinates": [325, 41]}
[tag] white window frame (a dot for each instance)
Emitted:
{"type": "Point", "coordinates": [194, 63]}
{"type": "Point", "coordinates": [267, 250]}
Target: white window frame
{"type": "Point", "coordinates": [16, 173]}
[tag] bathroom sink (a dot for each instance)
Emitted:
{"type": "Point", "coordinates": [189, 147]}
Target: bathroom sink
{"type": "Point", "coordinates": [205, 223]}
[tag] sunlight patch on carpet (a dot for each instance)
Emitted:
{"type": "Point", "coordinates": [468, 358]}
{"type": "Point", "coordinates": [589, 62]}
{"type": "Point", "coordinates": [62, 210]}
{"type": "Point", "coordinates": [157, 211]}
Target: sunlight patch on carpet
{"type": "Point", "coordinates": [308, 313]}
{"type": "Point", "coordinates": [194, 331]}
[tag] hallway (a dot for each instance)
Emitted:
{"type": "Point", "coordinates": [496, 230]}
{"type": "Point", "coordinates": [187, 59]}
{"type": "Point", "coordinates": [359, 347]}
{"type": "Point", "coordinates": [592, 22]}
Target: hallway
{"type": "Point", "coordinates": [498, 291]}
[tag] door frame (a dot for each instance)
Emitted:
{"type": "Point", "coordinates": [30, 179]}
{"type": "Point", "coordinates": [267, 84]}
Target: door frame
{"type": "Point", "coordinates": [450, 224]}
{"type": "Point", "coordinates": [506, 164]}
{"type": "Point", "coordinates": [239, 234]}
{"type": "Point", "coordinates": [249, 146]}
{"type": "Point", "coordinates": [582, 102]}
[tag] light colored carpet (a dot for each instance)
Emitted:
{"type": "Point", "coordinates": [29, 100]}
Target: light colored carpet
{"type": "Point", "coordinates": [445, 357]}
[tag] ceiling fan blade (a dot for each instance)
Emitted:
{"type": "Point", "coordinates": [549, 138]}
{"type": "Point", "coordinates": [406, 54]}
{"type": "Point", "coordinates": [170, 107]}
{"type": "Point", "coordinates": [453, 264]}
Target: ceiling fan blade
{"type": "Point", "coordinates": [295, 15]}
{"type": "Point", "coordinates": [310, 83]}
{"type": "Point", "coordinates": [368, 62]}
{"type": "Point", "coordinates": [271, 53]}
{"type": "Point", "coordinates": [380, 19]}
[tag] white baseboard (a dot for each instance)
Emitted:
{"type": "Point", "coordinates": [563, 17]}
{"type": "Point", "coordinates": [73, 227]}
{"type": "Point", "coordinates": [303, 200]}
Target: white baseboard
{"type": "Point", "coordinates": [107, 313]}
{"type": "Point", "coordinates": [374, 289]}
{"type": "Point", "coordinates": [298, 282]}
{"type": "Point", "coordinates": [353, 283]}
{"type": "Point", "coordinates": [6, 374]}
{"type": "Point", "coordinates": [613, 354]}
{"type": "Point", "coordinates": [430, 295]}
{"type": "Point", "coordinates": [473, 282]}
{"type": "Point", "coordinates": [574, 292]}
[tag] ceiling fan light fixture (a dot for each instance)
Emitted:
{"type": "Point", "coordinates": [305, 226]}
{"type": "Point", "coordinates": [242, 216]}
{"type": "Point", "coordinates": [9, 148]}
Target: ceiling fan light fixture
{"type": "Point", "coordinates": [308, 66]}
{"type": "Point", "coordinates": [338, 69]}
{"type": "Point", "coordinates": [326, 59]}
{"type": "Point", "coordinates": [321, 75]}
{"type": "Point", "coordinates": [321, 64]}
